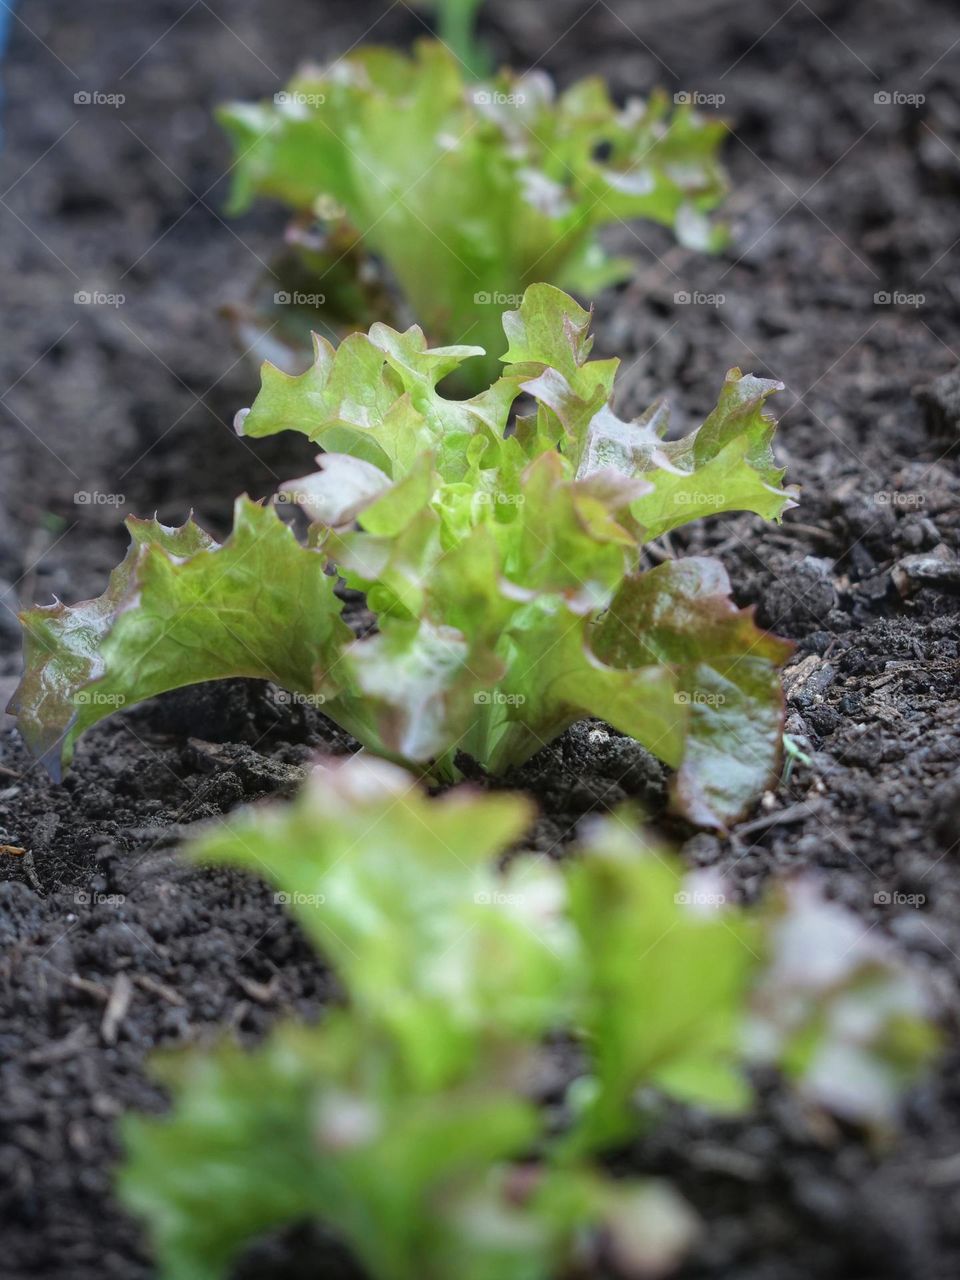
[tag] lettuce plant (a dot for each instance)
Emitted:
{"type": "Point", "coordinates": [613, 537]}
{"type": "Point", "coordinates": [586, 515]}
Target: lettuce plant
{"type": "Point", "coordinates": [471, 192]}
{"type": "Point", "coordinates": [408, 1122]}
{"type": "Point", "coordinates": [504, 569]}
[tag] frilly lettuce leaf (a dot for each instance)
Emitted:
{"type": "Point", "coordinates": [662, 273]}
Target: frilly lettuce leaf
{"type": "Point", "coordinates": [419, 681]}
{"type": "Point", "coordinates": [375, 397]}
{"type": "Point", "coordinates": [667, 974]}
{"type": "Point", "coordinates": [727, 464]}
{"type": "Point", "coordinates": [679, 617]}
{"type": "Point", "coordinates": [472, 192]}
{"type": "Point", "coordinates": [181, 609]}
{"type": "Point", "coordinates": [62, 646]}
{"type": "Point", "coordinates": [335, 495]}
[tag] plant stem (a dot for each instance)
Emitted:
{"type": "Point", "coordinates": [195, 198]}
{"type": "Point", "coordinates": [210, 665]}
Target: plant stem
{"type": "Point", "coordinates": [457, 21]}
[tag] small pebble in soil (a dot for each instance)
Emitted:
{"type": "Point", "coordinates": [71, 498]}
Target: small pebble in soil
{"type": "Point", "coordinates": [800, 599]}
{"type": "Point", "coordinates": [938, 568]}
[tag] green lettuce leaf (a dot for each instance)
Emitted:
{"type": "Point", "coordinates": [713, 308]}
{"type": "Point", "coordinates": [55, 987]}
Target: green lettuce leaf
{"type": "Point", "coordinates": [375, 397]}
{"type": "Point", "coordinates": [419, 680]}
{"type": "Point", "coordinates": [668, 971]}
{"type": "Point", "coordinates": [179, 610]}
{"type": "Point", "coordinates": [727, 464]}
{"type": "Point", "coordinates": [684, 990]}
{"type": "Point", "coordinates": [680, 617]}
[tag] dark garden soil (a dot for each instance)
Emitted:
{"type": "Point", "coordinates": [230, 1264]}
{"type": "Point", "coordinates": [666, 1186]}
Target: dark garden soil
{"type": "Point", "coordinates": [109, 946]}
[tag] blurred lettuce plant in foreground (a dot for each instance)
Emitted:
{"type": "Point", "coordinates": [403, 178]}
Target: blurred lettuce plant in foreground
{"type": "Point", "coordinates": [410, 1122]}
{"type": "Point", "coordinates": [470, 192]}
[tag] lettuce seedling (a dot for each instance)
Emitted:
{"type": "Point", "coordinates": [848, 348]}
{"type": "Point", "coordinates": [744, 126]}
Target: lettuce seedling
{"type": "Point", "coordinates": [504, 569]}
{"type": "Point", "coordinates": [471, 192]}
{"type": "Point", "coordinates": [408, 1123]}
